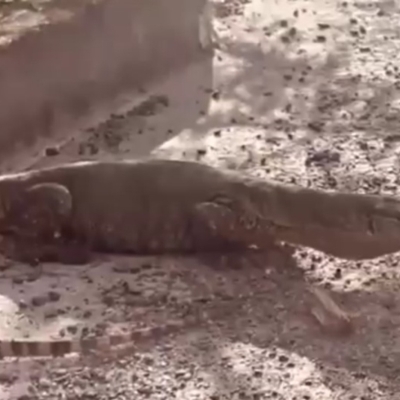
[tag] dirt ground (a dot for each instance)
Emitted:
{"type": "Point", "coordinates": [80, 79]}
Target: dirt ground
{"type": "Point", "coordinates": [302, 92]}
{"type": "Point", "coordinates": [18, 17]}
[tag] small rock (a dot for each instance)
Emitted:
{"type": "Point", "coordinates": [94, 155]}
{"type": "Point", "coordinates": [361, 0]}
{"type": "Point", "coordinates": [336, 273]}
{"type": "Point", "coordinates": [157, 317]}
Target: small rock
{"type": "Point", "coordinates": [108, 301]}
{"type": "Point", "coordinates": [257, 374]}
{"type": "Point", "coordinates": [320, 39]}
{"type": "Point", "coordinates": [54, 296]}
{"type": "Point", "coordinates": [51, 314]}
{"type": "Point", "coordinates": [38, 301]}
{"type": "Point", "coordinates": [283, 359]}
{"type": "Point", "coordinates": [322, 157]}
{"type": "Point", "coordinates": [8, 378]}
{"type": "Point", "coordinates": [316, 126]}
{"type": "Point", "coordinates": [22, 304]}
{"type": "Point", "coordinates": [87, 314]}
{"type": "Point", "coordinates": [52, 151]}
{"type": "Point", "coordinates": [323, 26]}
{"type": "Point", "coordinates": [72, 329]}
{"type": "Point", "coordinates": [146, 266]}
{"type": "Point", "coordinates": [201, 152]}
{"type": "Point", "coordinates": [215, 95]}
{"type": "Point", "coordinates": [338, 274]}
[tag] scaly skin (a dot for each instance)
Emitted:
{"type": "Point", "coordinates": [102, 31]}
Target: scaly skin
{"type": "Point", "coordinates": [161, 206]}
{"type": "Point", "coordinates": [165, 206]}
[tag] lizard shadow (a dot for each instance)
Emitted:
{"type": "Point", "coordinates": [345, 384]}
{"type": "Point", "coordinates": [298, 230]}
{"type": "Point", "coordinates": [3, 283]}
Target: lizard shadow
{"type": "Point", "coordinates": [370, 352]}
{"type": "Point", "coordinates": [250, 305]}
{"type": "Point", "coordinates": [255, 310]}
{"type": "Point", "coordinates": [250, 329]}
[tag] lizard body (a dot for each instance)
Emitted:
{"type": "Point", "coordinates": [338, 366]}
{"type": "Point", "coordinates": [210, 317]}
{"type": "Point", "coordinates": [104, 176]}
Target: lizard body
{"type": "Point", "coordinates": [166, 206]}
{"type": "Point", "coordinates": [139, 207]}
{"type": "Point", "coordinates": [161, 206]}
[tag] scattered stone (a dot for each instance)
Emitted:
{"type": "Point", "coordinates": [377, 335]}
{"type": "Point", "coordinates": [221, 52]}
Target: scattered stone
{"type": "Point", "coordinates": [338, 274]}
{"type": "Point", "coordinates": [38, 301]}
{"type": "Point", "coordinates": [52, 151]}
{"type": "Point", "coordinates": [322, 157]}
{"type": "Point", "coordinates": [73, 329]}
{"type": "Point", "coordinates": [320, 39]}
{"type": "Point", "coordinates": [54, 296]}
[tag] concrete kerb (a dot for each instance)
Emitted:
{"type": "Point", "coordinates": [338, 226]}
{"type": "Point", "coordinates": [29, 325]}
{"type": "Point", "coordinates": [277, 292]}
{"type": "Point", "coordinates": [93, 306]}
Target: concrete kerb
{"type": "Point", "coordinates": [60, 69]}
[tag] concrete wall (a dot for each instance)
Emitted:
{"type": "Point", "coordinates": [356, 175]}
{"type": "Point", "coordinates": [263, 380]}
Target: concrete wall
{"type": "Point", "coordinates": [102, 49]}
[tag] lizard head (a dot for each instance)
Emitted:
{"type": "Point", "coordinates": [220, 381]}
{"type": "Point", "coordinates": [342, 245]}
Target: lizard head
{"type": "Point", "coordinates": [53, 195]}
{"type": "Point", "coordinates": [32, 205]}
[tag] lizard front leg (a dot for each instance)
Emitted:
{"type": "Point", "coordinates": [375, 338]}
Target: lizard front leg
{"type": "Point", "coordinates": [231, 221]}
{"type": "Point", "coordinates": [237, 222]}
{"type": "Point", "coordinates": [243, 227]}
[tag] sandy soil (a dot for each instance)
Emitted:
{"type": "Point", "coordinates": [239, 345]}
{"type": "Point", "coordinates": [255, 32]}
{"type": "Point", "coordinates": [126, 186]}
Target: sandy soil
{"type": "Point", "coordinates": [303, 92]}
{"type": "Point", "coordinates": [18, 17]}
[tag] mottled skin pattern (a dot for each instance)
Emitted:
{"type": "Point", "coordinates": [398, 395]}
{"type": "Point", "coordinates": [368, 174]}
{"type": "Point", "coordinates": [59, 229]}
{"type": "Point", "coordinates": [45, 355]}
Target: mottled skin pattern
{"type": "Point", "coordinates": [123, 207]}
{"type": "Point", "coordinates": [165, 206]}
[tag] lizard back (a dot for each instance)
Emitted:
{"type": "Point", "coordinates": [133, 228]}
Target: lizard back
{"type": "Point", "coordinates": [142, 207]}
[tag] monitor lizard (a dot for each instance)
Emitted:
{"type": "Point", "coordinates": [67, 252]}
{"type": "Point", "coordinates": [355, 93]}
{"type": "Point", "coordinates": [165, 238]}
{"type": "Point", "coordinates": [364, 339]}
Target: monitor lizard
{"type": "Point", "coordinates": [155, 206]}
